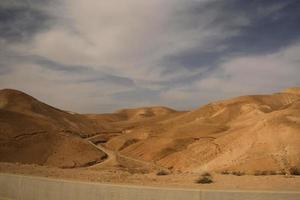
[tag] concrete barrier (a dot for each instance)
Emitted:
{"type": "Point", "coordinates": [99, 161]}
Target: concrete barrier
{"type": "Point", "coordinates": [19, 187]}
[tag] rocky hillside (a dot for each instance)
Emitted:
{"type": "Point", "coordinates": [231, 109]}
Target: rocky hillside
{"type": "Point", "coordinates": [248, 133]}
{"type": "Point", "coordinates": [34, 132]}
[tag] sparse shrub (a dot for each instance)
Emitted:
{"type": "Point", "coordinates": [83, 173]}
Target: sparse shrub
{"type": "Point", "coordinates": [281, 172]}
{"type": "Point", "coordinates": [289, 176]}
{"type": "Point", "coordinates": [238, 173]}
{"type": "Point", "coordinates": [225, 172]}
{"type": "Point", "coordinates": [265, 173]}
{"type": "Point", "coordinates": [162, 172]}
{"type": "Point", "coordinates": [260, 173]}
{"type": "Point", "coordinates": [295, 171]}
{"type": "Point", "coordinates": [204, 180]}
{"type": "Point", "coordinates": [206, 174]}
{"type": "Point", "coordinates": [272, 173]}
{"type": "Point", "coordinates": [257, 173]}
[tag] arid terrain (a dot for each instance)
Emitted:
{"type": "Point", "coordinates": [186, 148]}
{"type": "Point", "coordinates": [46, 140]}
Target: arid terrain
{"type": "Point", "coordinates": [247, 142]}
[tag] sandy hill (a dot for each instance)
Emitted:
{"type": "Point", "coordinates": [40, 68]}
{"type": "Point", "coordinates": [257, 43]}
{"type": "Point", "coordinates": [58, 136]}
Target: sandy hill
{"type": "Point", "coordinates": [130, 124]}
{"type": "Point", "coordinates": [133, 114]}
{"type": "Point", "coordinates": [293, 90]}
{"type": "Point", "coordinates": [48, 116]}
{"type": "Point", "coordinates": [145, 112]}
{"type": "Point", "coordinates": [248, 133]}
{"type": "Point", "coordinates": [34, 132]}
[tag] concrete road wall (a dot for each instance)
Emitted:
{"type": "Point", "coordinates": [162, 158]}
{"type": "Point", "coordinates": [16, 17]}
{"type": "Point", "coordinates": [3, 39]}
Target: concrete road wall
{"type": "Point", "coordinates": [19, 187]}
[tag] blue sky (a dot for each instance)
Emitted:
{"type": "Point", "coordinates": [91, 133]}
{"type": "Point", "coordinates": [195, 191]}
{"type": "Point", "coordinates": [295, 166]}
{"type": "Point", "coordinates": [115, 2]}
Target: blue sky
{"type": "Point", "coordinates": [100, 56]}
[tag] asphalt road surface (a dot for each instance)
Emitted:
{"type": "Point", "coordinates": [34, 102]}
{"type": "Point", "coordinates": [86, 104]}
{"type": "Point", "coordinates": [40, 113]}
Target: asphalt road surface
{"type": "Point", "coordinates": [19, 187]}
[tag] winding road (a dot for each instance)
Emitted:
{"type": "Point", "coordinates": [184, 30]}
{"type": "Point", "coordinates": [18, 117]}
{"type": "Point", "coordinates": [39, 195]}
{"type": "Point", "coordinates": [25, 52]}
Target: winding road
{"type": "Point", "coordinates": [114, 158]}
{"type": "Point", "coordinates": [111, 159]}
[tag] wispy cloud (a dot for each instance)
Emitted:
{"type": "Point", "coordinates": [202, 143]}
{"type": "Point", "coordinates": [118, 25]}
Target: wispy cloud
{"type": "Point", "coordinates": [103, 55]}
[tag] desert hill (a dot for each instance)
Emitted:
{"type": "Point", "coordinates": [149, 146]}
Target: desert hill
{"type": "Point", "coordinates": [245, 134]}
{"type": "Point", "coordinates": [293, 90]}
{"type": "Point", "coordinates": [129, 125]}
{"type": "Point", "coordinates": [48, 116]}
{"type": "Point", "coordinates": [34, 132]}
{"type": "Point", "coordinates": [146, 112]}
{"type": "Point", "coordinates": [133, 114]}
{"type": "Point", "coordinates": [248, 133]}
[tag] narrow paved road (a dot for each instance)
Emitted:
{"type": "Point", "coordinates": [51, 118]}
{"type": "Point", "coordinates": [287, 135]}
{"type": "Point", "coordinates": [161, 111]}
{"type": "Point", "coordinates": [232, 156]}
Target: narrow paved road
{"type": "Point", "coordinates": [114, 158]}
{"type": "Point", "coordinates": [111, 159]}
{"type": "Point", "coordinates": [19, 187]}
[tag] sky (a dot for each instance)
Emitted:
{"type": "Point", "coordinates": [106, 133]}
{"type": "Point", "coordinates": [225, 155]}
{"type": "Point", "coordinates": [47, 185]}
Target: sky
{"type": "Point", "coordinates": [94, 56]}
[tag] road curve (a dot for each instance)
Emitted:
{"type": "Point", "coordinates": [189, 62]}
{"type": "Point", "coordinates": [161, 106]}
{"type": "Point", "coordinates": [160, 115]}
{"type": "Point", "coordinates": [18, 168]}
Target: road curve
{"type": "Point", "coordinates": [19, 187]}
{"type": "Point", "coordinates": [111, 159]}
{"type": "Point", "coordinates": [114, 158]}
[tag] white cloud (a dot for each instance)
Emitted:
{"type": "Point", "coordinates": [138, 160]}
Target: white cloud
{"type": "Point", "coordinates": [131, 39]}
{"type": "Point", "coordinates": [257, 73]}
{"type": "Point", "coordinates": [242, 76]}
{"type": "Point", "coordinates": [63, 90]}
